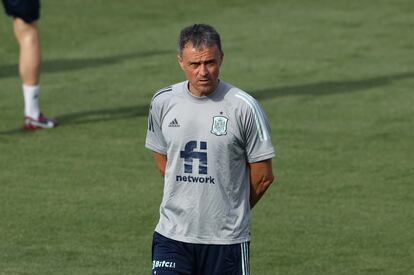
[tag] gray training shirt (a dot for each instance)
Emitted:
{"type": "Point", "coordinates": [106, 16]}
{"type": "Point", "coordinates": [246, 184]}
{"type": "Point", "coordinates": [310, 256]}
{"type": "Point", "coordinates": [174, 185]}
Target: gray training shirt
{"type": "Point", "coordinates": [209, 142]}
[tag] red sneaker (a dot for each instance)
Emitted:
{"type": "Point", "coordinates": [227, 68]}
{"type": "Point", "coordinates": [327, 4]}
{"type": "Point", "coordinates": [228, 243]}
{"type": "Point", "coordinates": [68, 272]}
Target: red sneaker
{"type": "Point", "coordinates": [41, 123]}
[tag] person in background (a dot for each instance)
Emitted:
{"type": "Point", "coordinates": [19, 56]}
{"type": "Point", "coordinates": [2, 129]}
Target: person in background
{"type": "Point", "coordinates": [26, 14]}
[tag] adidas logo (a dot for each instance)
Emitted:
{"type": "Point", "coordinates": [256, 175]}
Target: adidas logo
{"type": "Point", "coordinates": [174, 123]}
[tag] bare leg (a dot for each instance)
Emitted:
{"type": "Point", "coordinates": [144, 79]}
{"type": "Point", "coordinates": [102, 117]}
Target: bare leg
{"type": "Point", "coordinates": [30, 60]}
{"type": "Point", "coordinates": [27, 36]}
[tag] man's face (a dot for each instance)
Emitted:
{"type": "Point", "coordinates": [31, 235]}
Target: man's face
{"type": "Point", "coordinates": [201, 67]}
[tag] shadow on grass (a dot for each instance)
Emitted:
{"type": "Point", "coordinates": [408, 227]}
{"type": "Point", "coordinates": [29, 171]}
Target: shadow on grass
{"type": "Point", "coordinates": [91, 117]}
{"type": "Point", "coordinates": [330, 87]}
{"type": "Point", "coordinates": [313, 89]}
{"type": "Point", "coordinates": [64, 65]}
{"type": "Point", "coordinates": [103, 115]}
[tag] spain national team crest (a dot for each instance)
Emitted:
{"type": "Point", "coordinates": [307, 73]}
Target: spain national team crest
{"type": "Point", "coordinates": [219, 127]}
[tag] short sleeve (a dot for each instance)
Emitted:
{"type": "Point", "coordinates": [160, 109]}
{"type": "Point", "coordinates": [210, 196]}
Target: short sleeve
{"type": "Point", "coordinates": [155, 140]}
{"type": "Point", "coordinates": [258, 143]}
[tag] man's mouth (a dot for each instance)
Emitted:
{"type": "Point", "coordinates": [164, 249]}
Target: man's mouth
{"type": "Point", "coordinates": [204, 81]}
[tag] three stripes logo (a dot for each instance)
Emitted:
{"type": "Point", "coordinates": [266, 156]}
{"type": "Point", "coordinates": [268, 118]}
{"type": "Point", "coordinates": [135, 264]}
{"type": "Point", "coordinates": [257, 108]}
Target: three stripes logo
{"type": "Point", "coordinates": [174, 123]}
{"type": "Point", "coordinates": [151, 123]}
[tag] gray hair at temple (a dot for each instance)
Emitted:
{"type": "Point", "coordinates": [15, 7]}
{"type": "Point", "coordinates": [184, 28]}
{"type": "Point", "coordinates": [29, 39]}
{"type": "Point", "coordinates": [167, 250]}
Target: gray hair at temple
{"type": "Point", "coordinates": [199, 35]}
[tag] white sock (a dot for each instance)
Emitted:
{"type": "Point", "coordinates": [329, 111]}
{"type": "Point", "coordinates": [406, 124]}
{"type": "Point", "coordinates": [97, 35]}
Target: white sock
{"type": "Point", "coordinates": [31, 101]}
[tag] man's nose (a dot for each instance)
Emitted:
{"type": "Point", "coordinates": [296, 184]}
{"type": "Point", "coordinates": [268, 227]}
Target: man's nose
{"type": "Point", "coordinates": [203, 70]}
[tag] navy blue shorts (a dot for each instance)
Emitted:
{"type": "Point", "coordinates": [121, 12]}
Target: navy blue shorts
{"type": "Point", "coordinates": [170, 257]}
{"type": "Point", "coordinates": [28, 10]}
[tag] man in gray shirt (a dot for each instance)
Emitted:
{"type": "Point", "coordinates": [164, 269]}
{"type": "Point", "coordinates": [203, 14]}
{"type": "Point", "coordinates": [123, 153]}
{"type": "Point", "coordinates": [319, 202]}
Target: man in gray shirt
{"type": "Point", "coordinates": [212, 144]}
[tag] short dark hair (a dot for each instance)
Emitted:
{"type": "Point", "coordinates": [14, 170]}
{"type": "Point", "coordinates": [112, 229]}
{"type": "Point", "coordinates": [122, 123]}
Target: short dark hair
{"type": "Point", "coordinates": [200, 35]}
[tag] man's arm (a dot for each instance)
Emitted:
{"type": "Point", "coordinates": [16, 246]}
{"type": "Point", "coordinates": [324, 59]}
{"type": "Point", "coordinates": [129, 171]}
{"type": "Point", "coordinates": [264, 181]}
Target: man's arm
{"type": "Point", "coordinates": [160, 162]}
{"type": "Point", "coordinates": [261, 176]}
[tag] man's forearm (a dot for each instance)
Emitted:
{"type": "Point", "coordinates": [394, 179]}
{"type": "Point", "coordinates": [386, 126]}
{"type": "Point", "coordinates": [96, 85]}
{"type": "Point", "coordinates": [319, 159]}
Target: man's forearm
{"type": "Point", "coordinates": [261, 177]}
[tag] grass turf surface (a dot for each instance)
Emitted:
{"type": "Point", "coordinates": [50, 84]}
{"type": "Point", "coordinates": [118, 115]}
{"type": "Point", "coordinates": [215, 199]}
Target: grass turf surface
{"type": "Point", "coordinates": [334, 78]}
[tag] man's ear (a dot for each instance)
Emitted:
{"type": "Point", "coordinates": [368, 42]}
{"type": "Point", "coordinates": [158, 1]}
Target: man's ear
{"type": "Point", "coordinates": [221, 58]}
{"type": "Point", "coordinates": [180, 61]}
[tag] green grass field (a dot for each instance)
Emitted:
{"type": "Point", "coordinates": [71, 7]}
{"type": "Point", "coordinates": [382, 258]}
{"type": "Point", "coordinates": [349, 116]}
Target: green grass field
{"type": "Point", "coordinates": [336, 79]}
